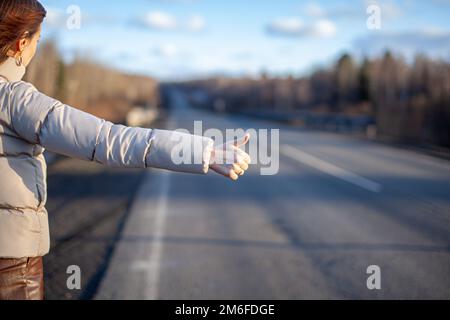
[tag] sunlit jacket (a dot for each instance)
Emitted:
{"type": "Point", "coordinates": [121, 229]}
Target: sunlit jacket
{"type": "Point", "coordinates": [31, 122]}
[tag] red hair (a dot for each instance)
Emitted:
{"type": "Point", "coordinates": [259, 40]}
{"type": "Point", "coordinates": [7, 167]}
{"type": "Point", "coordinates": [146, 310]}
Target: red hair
{"type": "Point", "coordinates": [18, 19]}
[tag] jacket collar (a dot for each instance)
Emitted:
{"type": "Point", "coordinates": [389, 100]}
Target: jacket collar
{"type": "Point", "coordinates": [10, 71]}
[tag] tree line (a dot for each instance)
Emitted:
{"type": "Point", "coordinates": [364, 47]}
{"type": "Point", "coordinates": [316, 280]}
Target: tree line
{"type": "Point", "coordinates": [89, 85]}
{"type": "Point", "coordinates": [409, 102]}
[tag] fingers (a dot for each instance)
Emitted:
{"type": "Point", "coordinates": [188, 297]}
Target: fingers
{"type": "Point", "coordinates": [243, 165]}
{"type": "Point", "coordinates": [233, 175]}
{"type": "Point", "coordinates": [231, 155]}
{"type": "Point", "coordinates": [238, 169]}
{"type": "Point", "coordinates": [231, 161]}
{"type": "Point", "coordinates": [226, 171]}
{"type": "Point", "coordinates": [242, 141]}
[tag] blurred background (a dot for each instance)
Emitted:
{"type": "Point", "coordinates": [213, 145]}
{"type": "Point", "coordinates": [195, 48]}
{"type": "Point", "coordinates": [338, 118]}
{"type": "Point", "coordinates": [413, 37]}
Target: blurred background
{"type": "Point", "coordinates": [361, 87]}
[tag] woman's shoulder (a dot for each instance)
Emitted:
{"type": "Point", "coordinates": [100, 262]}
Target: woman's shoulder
{"type": "Point", "coordinates": [17, 88]}
{"type": "Point", "coordinates": [22, 97]}
{"type": "Point", "coordinates": [21, 93]}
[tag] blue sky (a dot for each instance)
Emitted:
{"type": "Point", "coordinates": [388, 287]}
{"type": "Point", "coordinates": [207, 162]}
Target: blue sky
{"type": "Point", "coordinates": [179, 39]}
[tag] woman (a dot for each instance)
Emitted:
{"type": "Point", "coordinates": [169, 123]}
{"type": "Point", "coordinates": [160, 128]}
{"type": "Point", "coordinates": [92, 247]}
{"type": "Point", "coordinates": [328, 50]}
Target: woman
{"type": "Point", "coordinates": [31, 122]}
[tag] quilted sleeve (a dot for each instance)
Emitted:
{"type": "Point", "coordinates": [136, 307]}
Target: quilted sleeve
{"type": "Point", "coordinates": [62, 129]}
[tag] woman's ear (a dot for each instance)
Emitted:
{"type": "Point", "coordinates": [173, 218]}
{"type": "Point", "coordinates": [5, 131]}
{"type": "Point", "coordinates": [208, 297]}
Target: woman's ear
{"type": "Point", "coordinates": [22, 44]}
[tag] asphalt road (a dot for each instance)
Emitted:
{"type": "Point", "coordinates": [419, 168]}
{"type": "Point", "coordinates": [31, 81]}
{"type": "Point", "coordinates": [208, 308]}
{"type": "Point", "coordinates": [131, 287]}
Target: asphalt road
{"type": "Point", "coordinates": [337, 205]}
{"type": "Point", "coordinates": [88, 205]}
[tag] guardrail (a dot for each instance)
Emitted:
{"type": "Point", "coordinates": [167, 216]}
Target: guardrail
{"type": "Point", "coordinates": [326, 121]}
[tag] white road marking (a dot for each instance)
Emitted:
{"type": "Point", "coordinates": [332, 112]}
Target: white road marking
{"type": "Point", "coordinates": [154, 260]}
{"type": "Point", "coordinates": [151, 265]}
{"type": "Point", "coordinates": [331, 169]}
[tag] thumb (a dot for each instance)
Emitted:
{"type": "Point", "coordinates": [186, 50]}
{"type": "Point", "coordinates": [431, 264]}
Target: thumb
{"type": "Point", "coordinates": [242, 141]}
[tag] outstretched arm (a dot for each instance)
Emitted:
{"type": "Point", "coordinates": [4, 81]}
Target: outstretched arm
{"type": "Point", "coordinates": [65, 130]}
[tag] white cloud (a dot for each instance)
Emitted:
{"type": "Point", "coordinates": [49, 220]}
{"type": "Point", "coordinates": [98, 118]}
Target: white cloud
{"type": "Point", "coordinates": [345, 10]}
{"type": "Point", "coordinates": [323, 28]}
{"type": "Point", "coordinates": [287, 26]}
{"type": "Point", "coordinates": [389, 9]}
{"type": "Point", "coordinates": [314, 10]}
{"type": "Point", "coordinates": [433, 42]}
{"type": "Point", "coordinates": [295, 27]}
{"type": "Point", "coordinates": [195, 23]}
{"type": "Point", "coordinates": [55, 17]}
{"type": "Point", "coordinates": [158, 20]}
{"type": "Point", "coordinates": [434, 31]}
{"type": "Point", "coordinates": [58, 18]}
{"type": "Point", "coordinates": [167, 50]}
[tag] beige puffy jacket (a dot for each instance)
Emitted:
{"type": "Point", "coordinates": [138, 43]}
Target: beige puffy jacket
{"type": "Point", "coordinates": [31, 122]}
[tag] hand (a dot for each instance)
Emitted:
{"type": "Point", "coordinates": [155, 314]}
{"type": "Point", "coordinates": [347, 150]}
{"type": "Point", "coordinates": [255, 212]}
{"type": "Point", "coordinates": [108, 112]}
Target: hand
{"type": "Point", "coordinates": [229, 160]}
